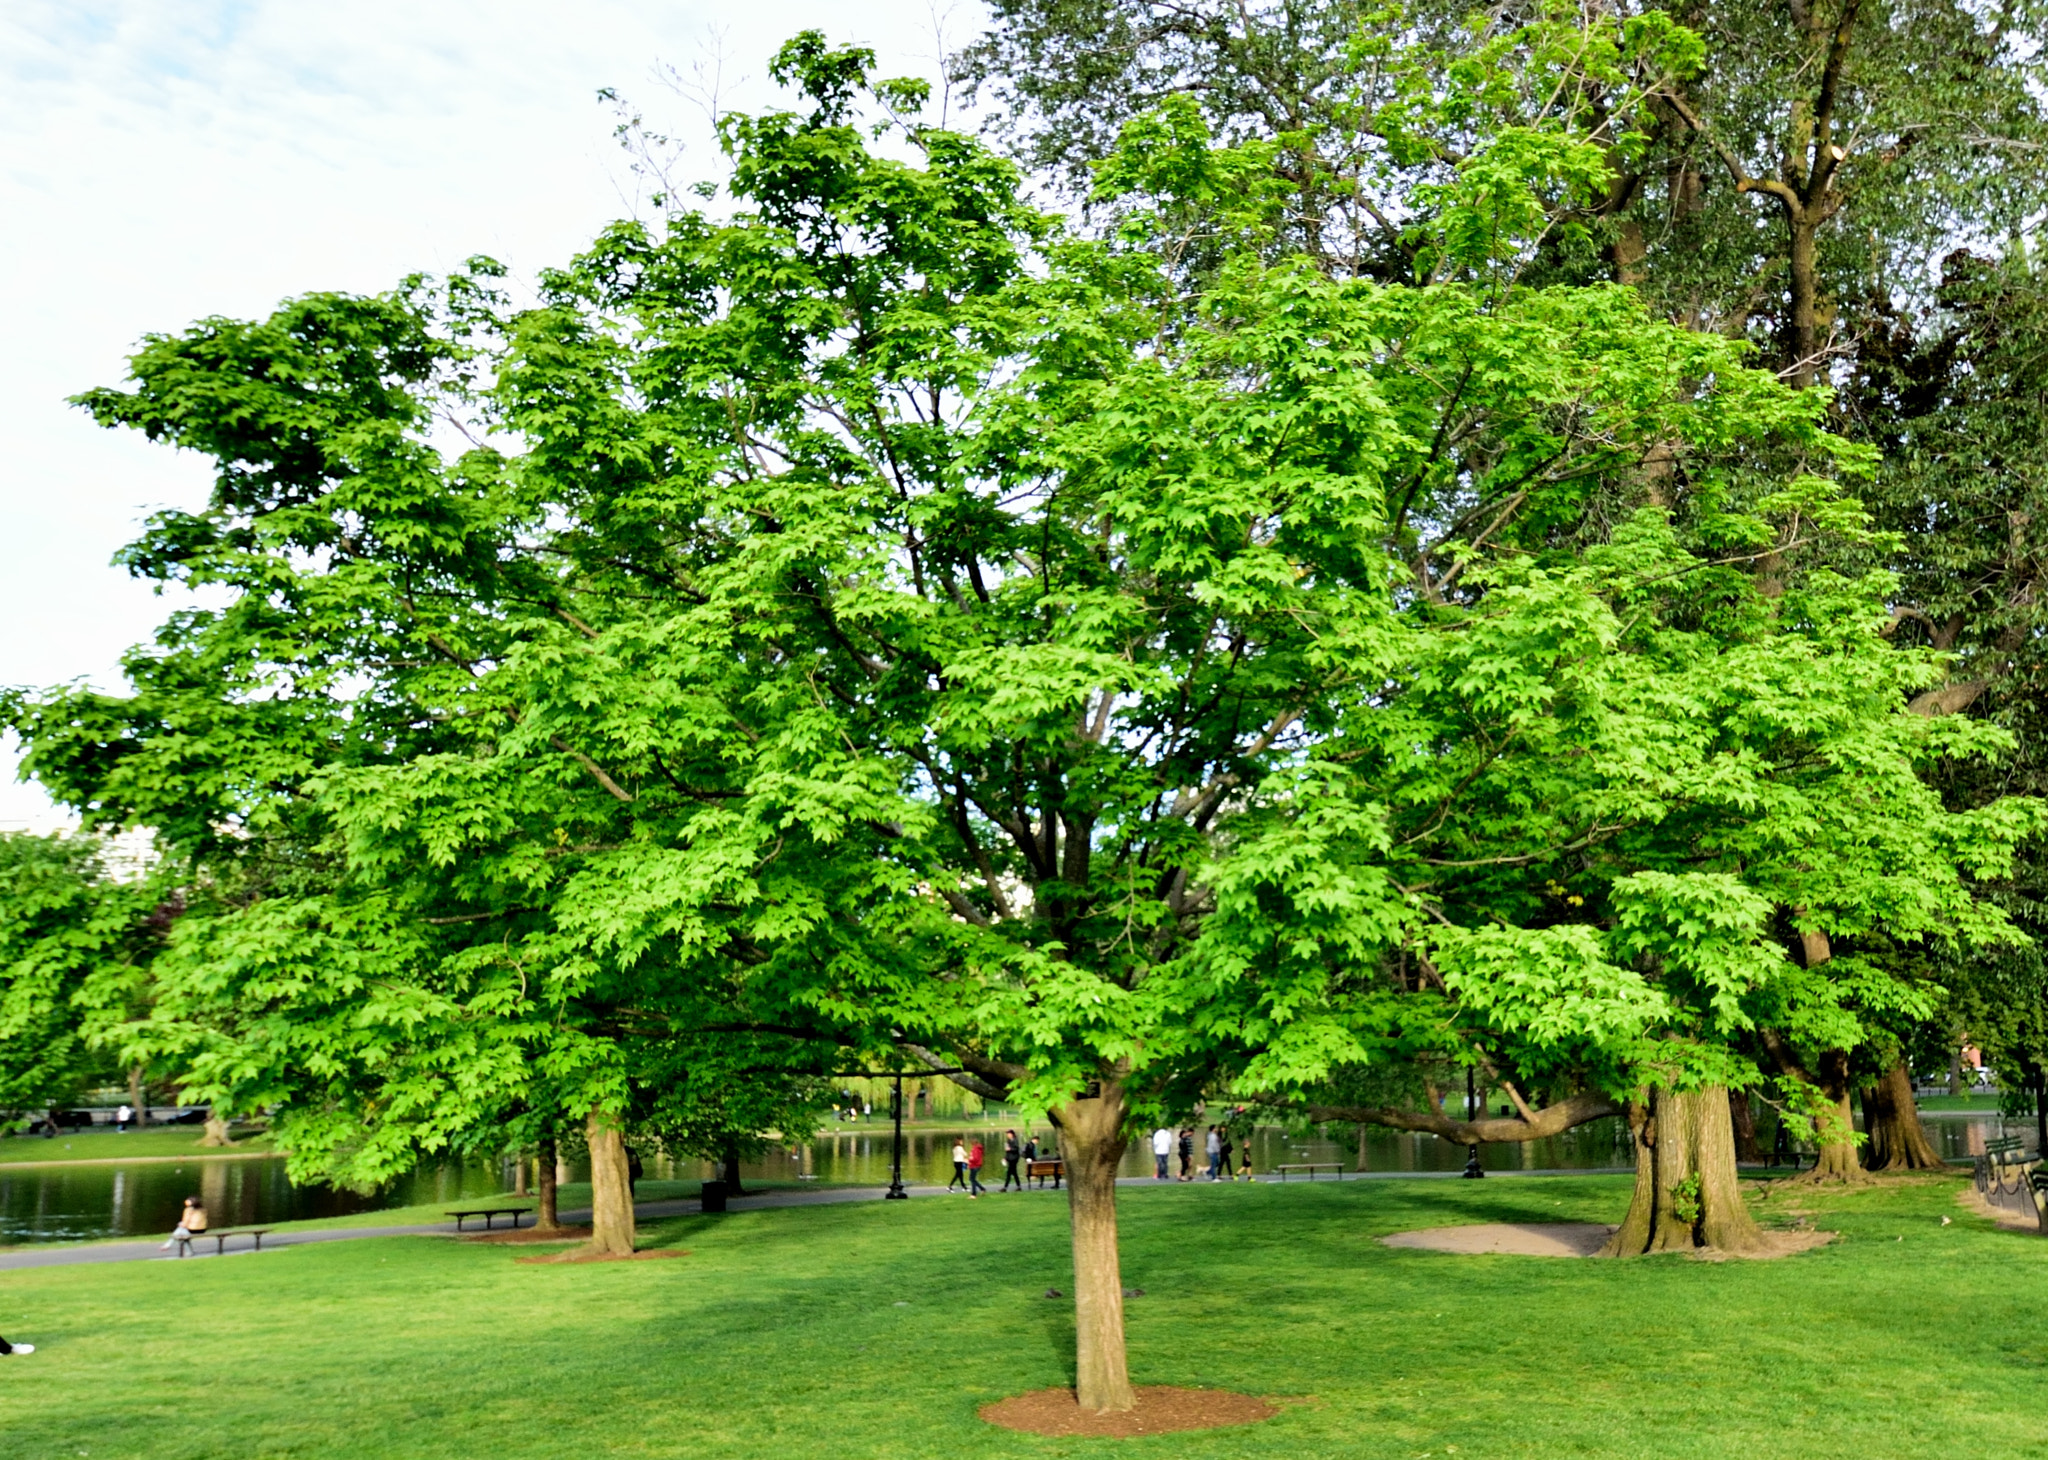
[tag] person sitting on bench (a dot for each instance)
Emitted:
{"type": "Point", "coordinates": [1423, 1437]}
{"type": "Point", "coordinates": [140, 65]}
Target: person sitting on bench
{"type": "Point", "coordinates": [189, 1225]}
{"type": "Point", "coordinates": [16, 1348]}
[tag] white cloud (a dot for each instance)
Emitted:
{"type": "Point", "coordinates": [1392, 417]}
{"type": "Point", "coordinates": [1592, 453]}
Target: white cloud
{"type": "Point", "coordinates": [164, 161]}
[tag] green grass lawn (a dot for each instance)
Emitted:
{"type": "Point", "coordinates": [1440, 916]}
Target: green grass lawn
{"type": "Point", "coordinates": [108, 1145]}
{"type": "Point", "coordinates": [1986, 1103]}
{"type": "Point", "coordinates": [874, 1330]}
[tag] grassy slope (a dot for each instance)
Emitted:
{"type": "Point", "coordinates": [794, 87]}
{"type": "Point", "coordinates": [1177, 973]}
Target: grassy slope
{"type": "Point", "coordinates": [873, 1330]}
{"type": "Point", "coordinates": [170, 1140]}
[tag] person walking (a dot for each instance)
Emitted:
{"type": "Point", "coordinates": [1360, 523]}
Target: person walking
{"type": "Point", "coordinates": [1162, 1151]}
{"type": "Point", "coordinates": [121, 1118]}
{"type": "Point", "coordinates": [16, 1348]}
{"type": "Point", "coordinates": [975, 1159]}
{"type": "Point", "coordinates": [1010, 1154]}
{"type": "Point", "coordinates": [1187, 1153]}
{"type": "Point", "coordinates": [190, 1225]}
{"type": "Point", "coordinates": [959, 1167]}
{"type": "Point", "coordinates": [1212, 1147]}
{"type": "Point", "coordinates": [1223, 1150]}
{"type": "Point", "coordinates": [1244, 1162]}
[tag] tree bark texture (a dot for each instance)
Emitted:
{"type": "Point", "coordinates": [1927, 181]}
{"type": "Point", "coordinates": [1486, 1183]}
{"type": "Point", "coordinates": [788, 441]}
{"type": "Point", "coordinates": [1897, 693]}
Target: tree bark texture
{"type": "Point", "coordinates": [1092, 1140]}
{"type": "Point", "coordinates": [1743, 1117]}
{"type": "Point", "coordinates": [216, 1128]}
{"type": "Point", "coordinates": [1891, 1119]}
{"type": "Point", "coordinates": [135, 1093]}
{"type": "Point", "coordinates": [1686, 1195]}
{"type": "Point", "coordinates": [549, 1217]}
{"type": "Point", "coordinates": [611, 1196]}
{"type": "Point", "coordinates": [519, 1174]}
{"type": "Point", "coordinates": [1364, 1163]}
{"type": "Point", "coordinates": [1836, 1137]}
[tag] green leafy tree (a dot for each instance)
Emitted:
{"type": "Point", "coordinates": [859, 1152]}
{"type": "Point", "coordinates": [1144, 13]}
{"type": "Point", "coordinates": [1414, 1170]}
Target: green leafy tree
{"type": "Point", "coordinates": [885, 621]}
{"type": "Point", "coordinates": [75, 953]}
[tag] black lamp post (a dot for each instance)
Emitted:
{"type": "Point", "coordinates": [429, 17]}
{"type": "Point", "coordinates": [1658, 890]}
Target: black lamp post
{"type": "Point", "coordinates": [896, 1191]}
{"type": "Point", "coordinates": [1472, 1171]}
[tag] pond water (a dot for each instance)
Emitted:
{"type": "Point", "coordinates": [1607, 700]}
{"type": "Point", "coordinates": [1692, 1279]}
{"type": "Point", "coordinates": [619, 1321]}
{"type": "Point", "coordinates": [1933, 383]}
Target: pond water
{"type": "Point", "coordinates": [78, 1203]}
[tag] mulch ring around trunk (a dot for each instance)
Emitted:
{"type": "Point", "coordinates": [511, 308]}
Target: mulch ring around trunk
{"type": "Point", "coordinates": [1522, 1239]}
{"type": "Point", "coordinates": [649, 1255]}
{"type": "Point", "coordinates": [522, 1235]}
{"type": "Point", "coordinates": [1581, 1239]}
{"type": "Point", "coordinates": [1161, 1408]}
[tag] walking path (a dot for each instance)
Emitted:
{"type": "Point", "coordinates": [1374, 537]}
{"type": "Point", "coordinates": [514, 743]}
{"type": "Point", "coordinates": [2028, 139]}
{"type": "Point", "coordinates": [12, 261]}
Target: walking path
{"type": "Point", "coordinates": [14, 1258]}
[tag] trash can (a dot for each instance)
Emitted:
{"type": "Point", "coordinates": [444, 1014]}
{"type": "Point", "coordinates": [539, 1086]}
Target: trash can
{"type": "Point", "coordinates": [714, 1196]}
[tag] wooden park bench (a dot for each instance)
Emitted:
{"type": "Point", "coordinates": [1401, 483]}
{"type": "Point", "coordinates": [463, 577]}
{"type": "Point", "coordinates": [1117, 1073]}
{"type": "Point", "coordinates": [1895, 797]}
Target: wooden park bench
{"type": "Point", "coordinates": [487, 1213]}
{"type": "Point", "coordinates": [221, 1238]}
{"type": "Point", "coordinates": [1336, 1168]}
{"type": "Point", "coordinates": [1039, 1170]}
{"type": "Point", "coordinates": [2003, 1151]}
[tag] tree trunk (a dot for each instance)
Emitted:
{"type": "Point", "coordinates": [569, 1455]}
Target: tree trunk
{"type": "Point", "coordinates": [549, 1217]}
{"type": "Point", "coordinates": [1092, 1139]}
{"type": "Point", "coordinates": [729, 1170]}
{"type": "Point", "coordinates": [519, 1174]}
{"type": "Point", "coordinates": [611, 1197]}
{"type": "Point", "coordinates": [1743, 1117]}
{"type": "Point", "coordinates": [1686, 1195]}
{"type": "Point", "coordinates": [135, 1097]}
{"type": "Point", "coordinates": [1803, 339]}
{"type": "Point", "coordinates": [216, 1128]}
{"type": "Point", "coordinates": [1363, 1163]}
{"type": "Point", "coordinates": [1955, 1073]}
{"type": "Point", "coordinates": [1892, 1121]}
{"type": "Point", "coordinates": [1836, 1136]}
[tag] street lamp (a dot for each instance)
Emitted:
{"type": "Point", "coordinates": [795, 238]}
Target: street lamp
{"type": "Point", "coordinates": [896, 1191]}
{"type": "Point", "coordinates": [1472, 1171]}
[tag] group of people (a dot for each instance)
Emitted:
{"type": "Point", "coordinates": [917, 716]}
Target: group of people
{"type": "Point", "coordinates": [1217, 1147]}
{"type": "Point", "coordinates": [969, 1158]}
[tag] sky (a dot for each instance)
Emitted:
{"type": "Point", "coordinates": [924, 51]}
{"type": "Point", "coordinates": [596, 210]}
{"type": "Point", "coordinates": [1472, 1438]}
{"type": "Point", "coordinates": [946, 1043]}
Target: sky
{"type": "Point", "coordinates": [165, 160]}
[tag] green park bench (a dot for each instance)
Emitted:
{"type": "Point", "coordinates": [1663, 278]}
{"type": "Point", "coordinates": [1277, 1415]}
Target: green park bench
{"type": "Point", "coordinates": [2003, 1151]}
{"type": "Point", "coordinates": [488, 1213]}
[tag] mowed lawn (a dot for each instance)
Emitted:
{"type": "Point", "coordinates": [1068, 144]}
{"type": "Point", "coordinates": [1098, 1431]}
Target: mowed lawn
{"type": "Point", "coordinates": [876, 1330]}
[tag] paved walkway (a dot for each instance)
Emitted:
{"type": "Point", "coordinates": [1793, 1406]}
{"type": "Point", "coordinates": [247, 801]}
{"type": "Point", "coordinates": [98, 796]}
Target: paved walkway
{"type": "Point", "coordinates": [13, 1258]}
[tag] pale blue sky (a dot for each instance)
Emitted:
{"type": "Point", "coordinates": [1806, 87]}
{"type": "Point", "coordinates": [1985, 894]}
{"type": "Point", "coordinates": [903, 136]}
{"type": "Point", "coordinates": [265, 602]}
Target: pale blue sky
{"type": "Point", "coordinates": [161, 160]}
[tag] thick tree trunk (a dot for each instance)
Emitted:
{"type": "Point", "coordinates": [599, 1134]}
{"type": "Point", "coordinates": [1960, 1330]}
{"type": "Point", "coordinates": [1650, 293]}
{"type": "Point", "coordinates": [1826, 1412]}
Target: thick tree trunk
{"type": "Point", "coordinates": [729, 1170]}
{"type": "Point", "coordinates": [1836, 1136]}
{"type": "Point", "coordinates": [1363, 1163]}
{"type": "Point", "coordinates": [1803, 339]}
{"type": "Point", "coordinates": [1686, 1195]}
{"type": "Point", "coordinates": [519, 1174]}
{"type": "Point", "coordinates": [135, 1097]}
{"type": "Point", "coordinates": [216, 1128]}
{"type": "Point", "coordinates": [1891, 1120]}
{"type": "Point", "coordinates": [1092, 1140]}
{"type": "Point", "coordinates": [611, 1197]}
{"type": "Point", "coordinates": [1743, 1118]}
{"type": "Point", "coordinates": [549, 1216]}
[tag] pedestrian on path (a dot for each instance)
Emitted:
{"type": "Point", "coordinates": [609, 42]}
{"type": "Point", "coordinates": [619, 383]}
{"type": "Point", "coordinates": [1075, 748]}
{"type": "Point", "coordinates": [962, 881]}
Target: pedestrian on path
{"type": "Point", "coordinates": [190, 1225]}
{"type": "Point", "coordinates": [1187, 1153]}
{"type": "Point", "coordinates": [959, 1167]}
{"type": "Point", "coordinates": [1010, 1155]}
{"type": "Point", "coordinates": [121, 1118]}
{"type": "Point", "coordinates": [1030, 1149]}
{"type": "Point", "coordinates": [1244, 1165]}
{"type": "Point", "coordinates": [975, 1158]}
{"type": "Point", "coordinates": [16, 1348]}
{"type": "Point", "coordinates": [1212, 1147]}
{"type": "Point", "coordinates": [1223, 1150]}
{"type": "Point", "coordinates": [1162, 1151]}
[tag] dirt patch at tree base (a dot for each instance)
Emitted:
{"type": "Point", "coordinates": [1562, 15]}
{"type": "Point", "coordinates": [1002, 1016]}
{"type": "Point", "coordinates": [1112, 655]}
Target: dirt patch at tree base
{"type": "Point", "coordinates": [1521, 1239]}
{"type": "Point", "coordinates": [1576, 1239]}
{"type": "Point", "coordinates": [532, 1234]}
{"type": "Point", "coordinates": [1162, 1408]}
{"type": "Point", "coordinates": [648, 1256]}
